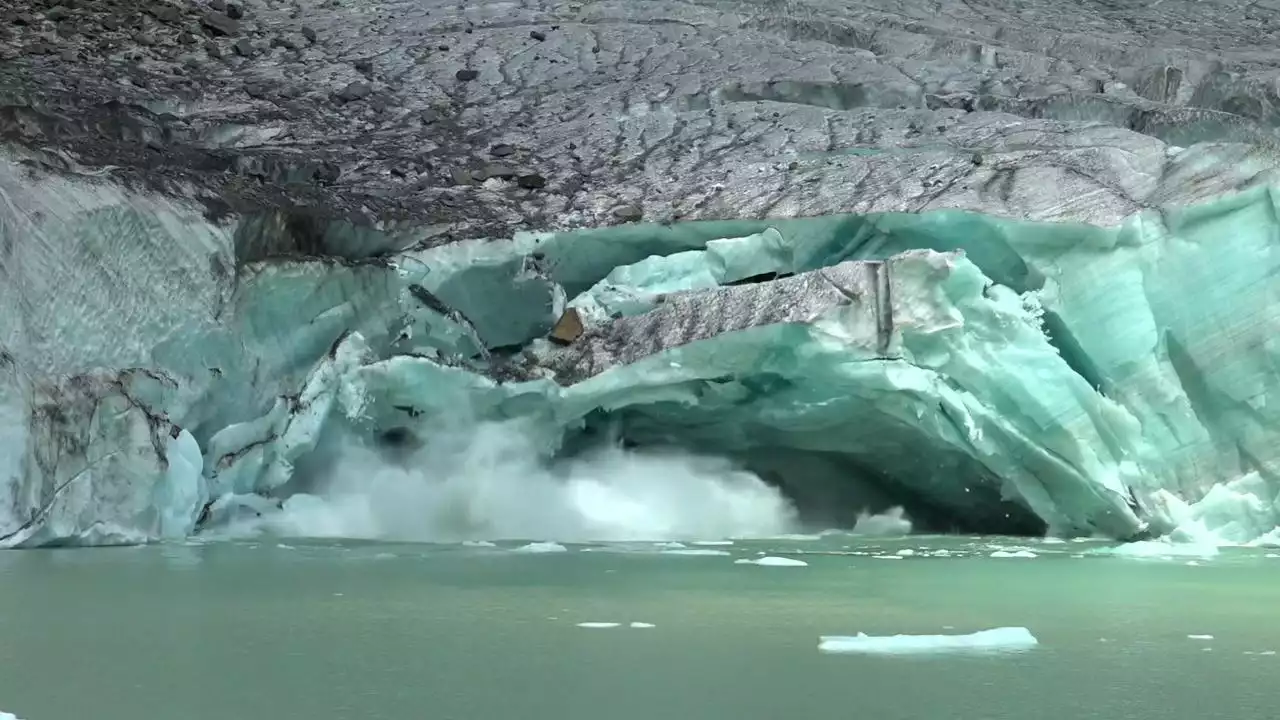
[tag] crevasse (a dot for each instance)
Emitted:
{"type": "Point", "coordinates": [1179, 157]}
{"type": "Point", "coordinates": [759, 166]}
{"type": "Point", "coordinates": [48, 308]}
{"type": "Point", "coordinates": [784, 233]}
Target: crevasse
{"type": "Point", "coordinates": [996, 375]}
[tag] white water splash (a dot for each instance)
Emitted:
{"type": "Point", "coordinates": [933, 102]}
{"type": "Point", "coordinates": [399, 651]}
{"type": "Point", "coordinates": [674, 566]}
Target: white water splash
{"type": "Point", "coordinates": [489, 482]}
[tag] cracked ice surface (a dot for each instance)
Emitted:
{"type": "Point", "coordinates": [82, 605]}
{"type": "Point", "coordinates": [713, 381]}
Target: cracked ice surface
{"type": "Point", "coordinates": [159, 370]}
{"type": "Point", "coordinates": [1094, 380]}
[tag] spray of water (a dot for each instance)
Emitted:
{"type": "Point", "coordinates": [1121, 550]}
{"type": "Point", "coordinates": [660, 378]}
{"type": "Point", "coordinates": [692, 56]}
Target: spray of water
{"type": "Point", "coordinates": [489, 482]}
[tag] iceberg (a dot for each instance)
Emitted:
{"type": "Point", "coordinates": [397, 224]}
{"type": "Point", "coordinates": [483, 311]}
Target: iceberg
{"type": "Point", "coordinates": [995, 640]}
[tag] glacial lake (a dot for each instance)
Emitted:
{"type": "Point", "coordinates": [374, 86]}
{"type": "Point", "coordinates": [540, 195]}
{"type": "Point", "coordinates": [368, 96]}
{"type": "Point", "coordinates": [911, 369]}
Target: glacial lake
{"type": "Point", "coordinates": [294, 630]}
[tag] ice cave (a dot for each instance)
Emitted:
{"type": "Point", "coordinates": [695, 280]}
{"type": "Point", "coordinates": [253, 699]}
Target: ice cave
{"type": "Point", "coordinates": [987, 375]}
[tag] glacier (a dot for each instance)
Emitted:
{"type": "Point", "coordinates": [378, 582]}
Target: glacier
{"type": "Point", "coordinates": [1002, 271]}
{"type": "Point", "coordinates": [996, 375]}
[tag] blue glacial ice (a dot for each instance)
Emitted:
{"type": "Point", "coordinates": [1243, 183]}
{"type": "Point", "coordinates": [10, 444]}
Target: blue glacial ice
{"type": "Point", "coordinates": [995, 640]}
{"type": "Point", "coordinates": [989, 373]}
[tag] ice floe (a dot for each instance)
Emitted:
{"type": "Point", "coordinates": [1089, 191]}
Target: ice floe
{"type": "Point", "coordinates": [996, 640]}
{"type": "Point", "coordinates": [772, 561]}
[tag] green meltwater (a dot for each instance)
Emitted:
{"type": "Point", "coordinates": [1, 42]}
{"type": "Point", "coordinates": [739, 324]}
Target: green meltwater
{"type": "Point", "coordinates": [288, 630]}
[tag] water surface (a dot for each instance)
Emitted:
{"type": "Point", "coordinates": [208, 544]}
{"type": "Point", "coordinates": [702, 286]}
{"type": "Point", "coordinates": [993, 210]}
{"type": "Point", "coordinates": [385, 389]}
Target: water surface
{"type": "Point", "coordinates": [275, 631]}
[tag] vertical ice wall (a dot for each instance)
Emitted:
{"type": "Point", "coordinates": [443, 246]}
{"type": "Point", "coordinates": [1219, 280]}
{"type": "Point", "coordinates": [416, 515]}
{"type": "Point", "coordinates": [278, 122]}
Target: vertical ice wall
{"type": "Point", "coordinates": [145, 370]}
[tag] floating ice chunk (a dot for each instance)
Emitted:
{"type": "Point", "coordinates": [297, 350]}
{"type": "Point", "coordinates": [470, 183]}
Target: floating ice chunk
{"type": "Point", "coordinates": [642, 625]}
{"type": "Point", "coordinates": [701, 552]}
{"type": "Point", "coordinates": [7, 716]}
{"type": "Point", "coordinates": [906, 552]}
{"type": "Point", "coordinates": [542, 547]}
{"type": "Point", "coordinates": [670, 545]}
{"type": "Point", "coordinates": [1159, 550]}
{"type": "Point", "coordinates": [479, 543]}
{"type": "Point", "coordinates": [1200, 637]}
{"type": "Point", "coordinates": [598, 625]}
{"type": "Point", "coordinates": [1004, 639]}
{"type": "Point", "coordinates": [887, 557]}
{"type": "Point", "coordinates": [706, 543]}
{"type": "Point", "coordinates": [1013, 554]}
{"type": "Point", "coordinates": [772, 561]}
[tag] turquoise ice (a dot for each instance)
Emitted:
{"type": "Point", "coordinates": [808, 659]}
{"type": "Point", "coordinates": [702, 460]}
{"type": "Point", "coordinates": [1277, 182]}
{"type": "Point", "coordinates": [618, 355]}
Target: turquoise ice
{"type": "Point", "coordinates": [1007, 373]}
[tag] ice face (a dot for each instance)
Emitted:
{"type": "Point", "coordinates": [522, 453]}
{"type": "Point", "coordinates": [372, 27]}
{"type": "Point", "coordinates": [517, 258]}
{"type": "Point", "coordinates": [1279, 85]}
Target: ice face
{"type": "Point", "coordinates": [1001, 375]}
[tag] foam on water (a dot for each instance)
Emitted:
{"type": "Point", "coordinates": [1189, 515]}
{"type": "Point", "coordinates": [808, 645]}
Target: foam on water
{"type": "Point", "coordinates": [996, 640]}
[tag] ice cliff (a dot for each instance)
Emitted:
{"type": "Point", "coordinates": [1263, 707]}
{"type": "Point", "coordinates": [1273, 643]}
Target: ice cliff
{"type": "Point", "coordinates": [1006, 375]}
{"type": "Point", "coordinates": [1013, 289]}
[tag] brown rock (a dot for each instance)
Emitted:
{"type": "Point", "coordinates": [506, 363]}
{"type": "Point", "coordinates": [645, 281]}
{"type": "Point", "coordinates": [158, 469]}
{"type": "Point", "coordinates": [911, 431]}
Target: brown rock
{"type": "Point", "coordinates": [568, 328]}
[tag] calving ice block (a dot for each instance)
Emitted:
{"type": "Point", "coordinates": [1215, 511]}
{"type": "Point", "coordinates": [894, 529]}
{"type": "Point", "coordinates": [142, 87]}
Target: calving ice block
{"type": "Point", "coordinates": [1009, 376]}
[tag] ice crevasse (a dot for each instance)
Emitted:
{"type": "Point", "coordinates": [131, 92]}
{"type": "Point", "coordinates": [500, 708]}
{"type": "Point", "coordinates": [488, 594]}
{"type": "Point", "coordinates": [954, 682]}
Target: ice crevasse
{"type": "Point", "coordinates": [997, 375]}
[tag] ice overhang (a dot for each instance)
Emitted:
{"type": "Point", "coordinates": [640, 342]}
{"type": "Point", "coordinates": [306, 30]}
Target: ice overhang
{"type": "Point", "coordinates": [1007, 373]}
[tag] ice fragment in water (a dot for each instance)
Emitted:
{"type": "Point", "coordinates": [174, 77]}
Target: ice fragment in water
{"type": "Point", "coordinates": [598, 625]}
{"type": "Point", "coordinates": [642, 625]}
{"type": "Point", "coordinates": [1200, 637]}
{"type": "Point", "coordinates": [1005, 639]}
{"type": "Point", "coordinates": [771, 561]}
{"type": "Point", "coordinates": [1013, 554]}
{"type": "Point", "coordinates": [698, 552]}
{"type": "Point", "coordinates": [542, 547]}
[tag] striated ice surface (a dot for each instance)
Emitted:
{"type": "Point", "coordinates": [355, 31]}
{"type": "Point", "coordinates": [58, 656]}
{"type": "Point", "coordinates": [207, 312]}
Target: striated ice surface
{"type": "Point", "coordinates": [984, 374]}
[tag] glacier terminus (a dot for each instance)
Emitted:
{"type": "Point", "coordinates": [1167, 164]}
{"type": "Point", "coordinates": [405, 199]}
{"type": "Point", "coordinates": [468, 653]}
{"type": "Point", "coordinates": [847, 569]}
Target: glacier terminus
{"type": "Point", "coordinates": [892, 266]}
